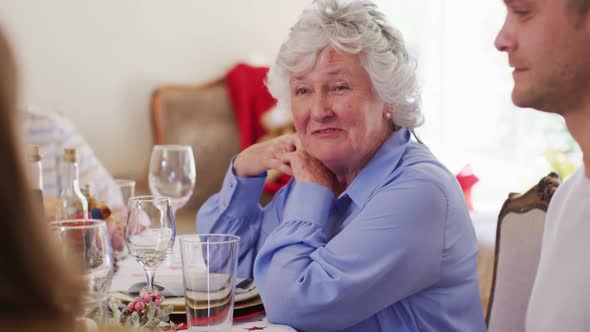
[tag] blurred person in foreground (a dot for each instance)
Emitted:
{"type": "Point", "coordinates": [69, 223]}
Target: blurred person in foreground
{"type": "Point", "coordinates": [373, 233]}
{"type": "Point", "coordinates": [38, 291]}
{"type": "Point", "coordinates": [36, 288]}
{"type": "Point", "coordinates": [548, 45]}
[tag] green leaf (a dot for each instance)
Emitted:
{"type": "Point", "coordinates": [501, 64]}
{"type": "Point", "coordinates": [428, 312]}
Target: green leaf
{"type": "Point", "coordinates": [167, 309]}
{"type": "Point", "coordinates": [151, 310]}
{"type": "Point", "coordinates": [135, 319]}
{"type": "Point", "coordinates": [114, 308]}
{"type": "Point", "coordinates": [128, 322]}
{"type": "Point", "coordinates": [154, 322]}
{"type": "Point", "coordinates": [164, 313]}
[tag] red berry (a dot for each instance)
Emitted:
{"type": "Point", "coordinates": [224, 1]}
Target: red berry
{"type": "Point", "coordinates": [146, 298]}
{"type": "Point", "coordinates": [137, 299]}
{"type": "Point", "coordinates": [131, 306]}
{"type": "Point", "coordinates": [159, 296]}
{"type": "Point", "coordinates": [139, 306]}
{"type": "Point", "coordinates": [157, 302]}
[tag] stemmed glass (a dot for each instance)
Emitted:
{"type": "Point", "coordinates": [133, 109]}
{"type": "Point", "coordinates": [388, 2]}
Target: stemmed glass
{"type": "Point", "coordinates": [172, 173]}
{"type": "Point", "coordinates": [127, 189]}
{"type": "Point", "coordinates": [150, 231]}
{"type": "Point", "coordinates": [86, 243]}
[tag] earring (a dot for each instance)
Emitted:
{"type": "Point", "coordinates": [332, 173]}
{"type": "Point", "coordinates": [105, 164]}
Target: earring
{"type": "Point", "coordinates": [387, 115]}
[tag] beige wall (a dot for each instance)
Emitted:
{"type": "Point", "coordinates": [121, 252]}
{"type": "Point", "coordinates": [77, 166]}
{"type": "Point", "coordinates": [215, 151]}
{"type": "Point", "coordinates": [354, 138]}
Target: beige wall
{"type": "Point", "coordinates": [98, 61]}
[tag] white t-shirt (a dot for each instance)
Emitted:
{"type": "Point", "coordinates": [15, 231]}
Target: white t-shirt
{"type": "Point", "coordinates": [560, 300]}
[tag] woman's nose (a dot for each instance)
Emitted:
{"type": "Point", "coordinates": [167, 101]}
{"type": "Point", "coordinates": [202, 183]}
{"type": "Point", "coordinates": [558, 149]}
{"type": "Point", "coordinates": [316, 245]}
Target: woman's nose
{"type": "Point", "coordinates": [321, 107]}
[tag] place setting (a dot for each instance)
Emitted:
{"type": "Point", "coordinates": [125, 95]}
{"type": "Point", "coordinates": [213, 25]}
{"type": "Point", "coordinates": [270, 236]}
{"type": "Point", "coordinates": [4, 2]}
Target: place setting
{"type": "Point", "coordinates": [186, 281]}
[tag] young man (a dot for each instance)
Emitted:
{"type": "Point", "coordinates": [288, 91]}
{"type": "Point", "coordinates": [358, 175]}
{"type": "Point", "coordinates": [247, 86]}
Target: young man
{"type": "Point", "coordinates": [548, 45]}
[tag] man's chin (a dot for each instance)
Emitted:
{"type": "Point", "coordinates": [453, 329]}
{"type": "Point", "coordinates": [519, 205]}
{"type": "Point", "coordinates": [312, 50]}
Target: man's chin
{"type": "Point", "coordinates": [518, 102]}
{"type": "Point", "coordinates": [527, 100]}
{"type": "Point", "coordinates": [522, 99]}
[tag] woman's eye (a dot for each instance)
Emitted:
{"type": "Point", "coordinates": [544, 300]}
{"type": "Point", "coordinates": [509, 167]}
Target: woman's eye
{"type": "Point", "coordinates": [301, 91]}
{"type": "Point", "coordinates": [341, 87]}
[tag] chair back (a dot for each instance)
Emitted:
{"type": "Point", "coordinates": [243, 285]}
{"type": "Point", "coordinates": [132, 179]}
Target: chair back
{"type": "Point", "coordinates": [519, 236]}
{"type": "Point", "coordinates": [202, 117]}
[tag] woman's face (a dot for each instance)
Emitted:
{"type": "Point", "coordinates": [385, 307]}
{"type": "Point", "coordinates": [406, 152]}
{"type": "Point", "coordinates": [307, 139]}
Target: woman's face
{"type": "Point", "coordinates": [336, 113]}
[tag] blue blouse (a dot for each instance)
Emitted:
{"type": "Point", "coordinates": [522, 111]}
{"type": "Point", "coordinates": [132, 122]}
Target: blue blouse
{"type": "Point", "coordinates": [396, 251]}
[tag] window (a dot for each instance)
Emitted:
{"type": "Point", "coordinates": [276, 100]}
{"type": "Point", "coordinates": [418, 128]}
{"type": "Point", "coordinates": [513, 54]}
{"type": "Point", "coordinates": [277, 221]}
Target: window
{"type": "Point", "coordinates": [466, 85]}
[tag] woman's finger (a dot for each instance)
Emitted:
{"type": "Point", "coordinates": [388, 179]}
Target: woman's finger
{"type": "Point", "coordinates": [285, 169]}
{"type": "Point", "coordinates": [288, 142]}
{"type": "Point", "coordinates": [287, 157]}
{"type": "Point", "coordinates": [282, 167]}
{"type": "Point", "coordinates": [297, 142]}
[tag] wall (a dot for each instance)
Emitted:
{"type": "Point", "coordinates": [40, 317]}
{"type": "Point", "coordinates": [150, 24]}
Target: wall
{"type": "Point", "coordinates": [98, 61]}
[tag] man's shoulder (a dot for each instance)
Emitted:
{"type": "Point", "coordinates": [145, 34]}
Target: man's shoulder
{"type": "Point", "coordinates": [566, 189]}
{"type": "Point", "coordinates": [567, 197]}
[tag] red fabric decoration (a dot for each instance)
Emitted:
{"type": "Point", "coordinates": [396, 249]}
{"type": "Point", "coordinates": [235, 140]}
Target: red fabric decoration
{"type": "Point", "coordinates": [466, 180]}
{"type": "Point", "coordinates": [250, 99]}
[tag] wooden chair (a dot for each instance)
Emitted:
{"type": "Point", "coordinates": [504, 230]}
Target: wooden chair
{"type": "Point", "coordinates": [200, 116]}
{"type": "Point", "coordinates": [518, 246]}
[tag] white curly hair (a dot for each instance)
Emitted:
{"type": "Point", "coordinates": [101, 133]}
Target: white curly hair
{"type": "Point", "coordinates": [355, 27]}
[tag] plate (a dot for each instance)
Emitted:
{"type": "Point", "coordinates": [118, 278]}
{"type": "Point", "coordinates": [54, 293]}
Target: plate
{"type": "Point", "coordinates": [243, 302]}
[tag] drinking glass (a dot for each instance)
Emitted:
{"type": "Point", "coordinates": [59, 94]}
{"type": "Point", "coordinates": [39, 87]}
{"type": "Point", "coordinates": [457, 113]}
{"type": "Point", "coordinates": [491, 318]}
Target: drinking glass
{"type": "Point", "coordinates": [85, 242]}
{"type": "Point", "coordinates": [127, 189]}
{"type": "Point", "coordinates": [150, 231]}
{"type": "Point", "coordinates": [209, 264]}
{"type": "Point", "coordinates": [172, 173]}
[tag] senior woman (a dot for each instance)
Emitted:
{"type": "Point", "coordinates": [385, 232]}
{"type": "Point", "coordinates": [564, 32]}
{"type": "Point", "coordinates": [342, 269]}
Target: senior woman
{"type": "Point", "coordinates": [373, 233]}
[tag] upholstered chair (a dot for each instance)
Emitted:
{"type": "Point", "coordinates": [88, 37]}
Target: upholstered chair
{"type": "Point", "coordinates": [519, 237]}
{"type": "Point", "coordinates": [200, 116]}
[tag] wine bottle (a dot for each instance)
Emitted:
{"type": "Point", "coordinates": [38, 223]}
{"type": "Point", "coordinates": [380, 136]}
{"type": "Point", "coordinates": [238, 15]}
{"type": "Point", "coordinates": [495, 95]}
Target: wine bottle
{"type": "Point", "coordinates": [72, 203]}
{"type": "Point", "coordinates": [36, 172]}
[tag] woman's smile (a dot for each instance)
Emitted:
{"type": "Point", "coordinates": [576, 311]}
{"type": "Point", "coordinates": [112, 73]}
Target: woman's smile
{"type": "Point", "coordinates": [326, 132]}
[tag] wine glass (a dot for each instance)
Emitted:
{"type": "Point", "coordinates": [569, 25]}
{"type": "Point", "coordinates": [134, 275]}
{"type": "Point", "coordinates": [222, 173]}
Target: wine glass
{"type": "Point", "coordinates": [172, 173]}
{"type": "Point", "coordinates": [150, 231]}
{"type": "Point", "coordinates": [119, 212]}
{"type": "Point", "coordinates": [127, 188]}
{"type": "Point", "coordinates": [85, 242]}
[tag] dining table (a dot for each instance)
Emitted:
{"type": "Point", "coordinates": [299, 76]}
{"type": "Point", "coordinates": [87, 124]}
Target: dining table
{"type": "Point", "coordinates": [129, 274]}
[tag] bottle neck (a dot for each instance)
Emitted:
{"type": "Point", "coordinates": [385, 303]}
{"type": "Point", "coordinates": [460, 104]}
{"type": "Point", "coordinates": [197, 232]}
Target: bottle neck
{"type": "Point", "coordinates": [36, 175]}
{"type": "Point", "coordinates": [71, 176]}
